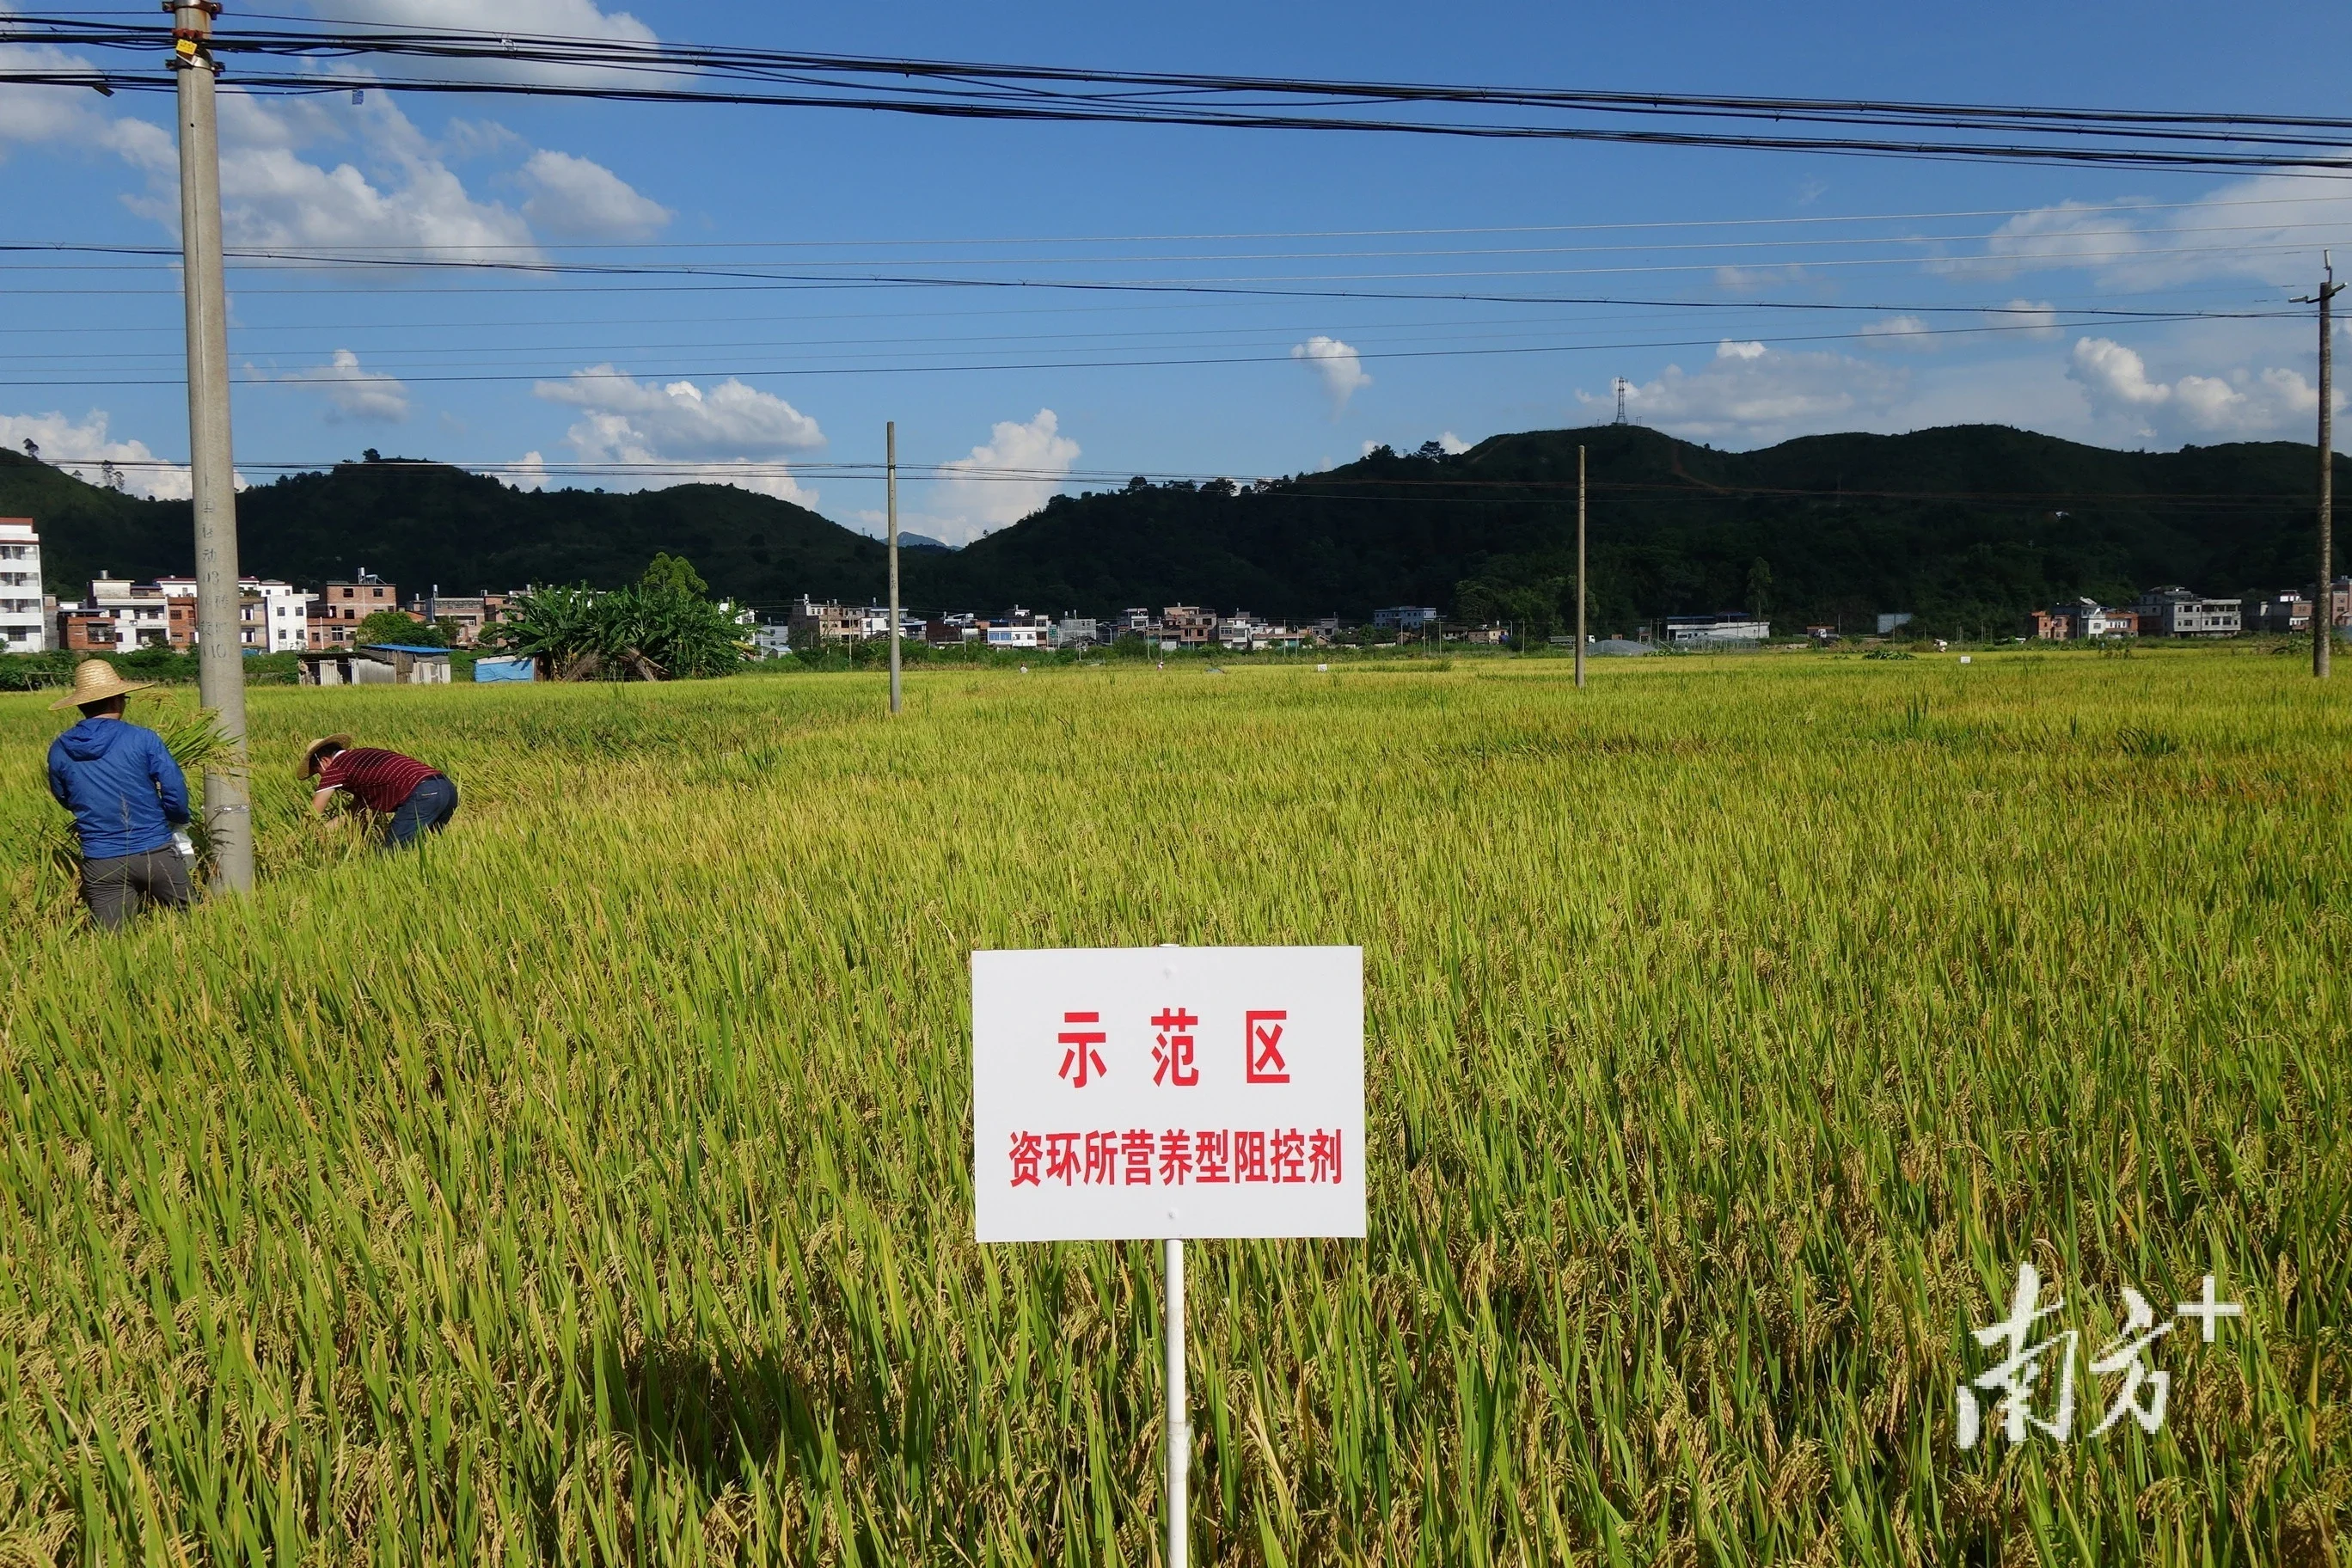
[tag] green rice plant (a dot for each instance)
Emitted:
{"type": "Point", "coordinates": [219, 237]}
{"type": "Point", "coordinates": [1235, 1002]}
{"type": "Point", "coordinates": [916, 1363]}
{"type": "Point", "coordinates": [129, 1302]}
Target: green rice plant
{"type": "Point", "coordinates": [594, 1183]}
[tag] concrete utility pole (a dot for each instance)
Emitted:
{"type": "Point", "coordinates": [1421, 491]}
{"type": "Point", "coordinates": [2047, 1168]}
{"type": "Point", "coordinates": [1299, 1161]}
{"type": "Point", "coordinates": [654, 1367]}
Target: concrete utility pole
{"type": "Point", "coordinates": [220, 659]}
{"type": "Point", "coordinates": [2323, 605]}
{"type": "Point", "coordinates": [1579, 568]}
{"type": "Point", "coordinates": [891, 486]}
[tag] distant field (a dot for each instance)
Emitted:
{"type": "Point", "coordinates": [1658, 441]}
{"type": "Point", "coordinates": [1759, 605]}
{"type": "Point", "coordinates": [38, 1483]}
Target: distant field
{"type": "Point", "coordinates": [595, 1188]}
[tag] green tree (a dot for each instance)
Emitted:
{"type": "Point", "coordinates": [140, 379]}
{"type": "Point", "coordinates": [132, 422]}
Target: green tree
{"type": "Point", "coordinates": [660, 628]}
{"type": "Point", "coordinates": [399, 626]}
{"type": "Point", "coordinates": [674, 573]}
{"type": "Point", "coordinates": [1759, 588]}
{"type": "Point", "coordinates": [1532, 610]}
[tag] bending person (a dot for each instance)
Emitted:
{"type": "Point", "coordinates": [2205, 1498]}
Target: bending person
{"type": "Point", "coordinates": [127, 796]}
{"type": "Point", "coordinates": [416, 797]}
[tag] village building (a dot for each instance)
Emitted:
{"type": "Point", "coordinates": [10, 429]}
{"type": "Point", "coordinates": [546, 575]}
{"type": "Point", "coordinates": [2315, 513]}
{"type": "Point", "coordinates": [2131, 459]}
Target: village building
{"type": "Point", "coordinates": [1730, 628]}
{"type": "Point", "coordinates": [24, 625]}
{"type": "Point", "coordinates": [334, 618]}
{"type": "Point", "coordinates": [2175, 612]}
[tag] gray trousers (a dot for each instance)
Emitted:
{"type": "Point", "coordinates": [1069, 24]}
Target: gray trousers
{"type": "Point", "coordinates": [115, 887]}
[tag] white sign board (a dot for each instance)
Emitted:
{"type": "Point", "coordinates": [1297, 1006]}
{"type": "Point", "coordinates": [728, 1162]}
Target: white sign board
{"type": "Point", "coordinates": [1126, 1093]}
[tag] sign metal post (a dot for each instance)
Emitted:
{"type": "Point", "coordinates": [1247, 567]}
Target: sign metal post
{"type": "Point", "coordinates": [1180, 1430]}
{"type": "Point", "coordinates": [1131, 1094]}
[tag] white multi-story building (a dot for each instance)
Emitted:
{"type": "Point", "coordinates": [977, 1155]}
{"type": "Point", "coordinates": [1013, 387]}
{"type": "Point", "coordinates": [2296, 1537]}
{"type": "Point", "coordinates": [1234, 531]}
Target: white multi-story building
{"type": "Point", "coordinates": [286, 613]}
{"type": "Point", "coordinates": [1242, 629]}
{"type": "Point", "coordinates": [1732, 628]}
{"type": "Point", "coordinates": [2176, 613]}
{"type": "Point", "coordinates": [272, 617]}
{"type": "Point", "coordinates": [1019, 629]}
{"type": "Point", "coordinates": [23, 626]}
{"type": "Point", "coordinates": [140, 614]}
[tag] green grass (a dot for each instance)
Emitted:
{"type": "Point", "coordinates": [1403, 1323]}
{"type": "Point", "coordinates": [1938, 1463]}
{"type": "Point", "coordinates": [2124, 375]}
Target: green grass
{"type": "Point", "coordinates": [595, 1185]}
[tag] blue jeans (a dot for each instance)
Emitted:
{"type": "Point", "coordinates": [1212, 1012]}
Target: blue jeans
{"type": "Point", "coordinates": [427, 809]}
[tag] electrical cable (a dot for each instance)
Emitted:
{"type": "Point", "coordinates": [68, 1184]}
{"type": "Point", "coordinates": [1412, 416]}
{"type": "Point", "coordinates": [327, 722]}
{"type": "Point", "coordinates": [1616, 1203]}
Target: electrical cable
{"type": "Point", "coordinates": [593, 374]}
{"type": "Point", "coordinates": [620, 69]}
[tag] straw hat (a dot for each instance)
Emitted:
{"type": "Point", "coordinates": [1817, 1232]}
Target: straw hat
{"type": "Point", "coordinates": [308, 766]}
{"type": "Point", "coordinates": [95, 681]}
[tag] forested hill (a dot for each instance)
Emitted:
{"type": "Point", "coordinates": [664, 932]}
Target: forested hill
{"type": "Point", "coordinates": [1964, 526]}
{"type": "Point", "coordinates": [1969, 525]}
{"type": "Point", "coordinates": [418, 524]}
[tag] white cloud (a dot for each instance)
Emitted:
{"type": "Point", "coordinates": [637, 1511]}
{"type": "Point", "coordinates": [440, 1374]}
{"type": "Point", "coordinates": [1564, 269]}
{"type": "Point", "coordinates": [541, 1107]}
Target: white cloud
{"type": "Point", "coordinates": [2113, 375]}
{"type": "Point", "coordinates": [574, 19]}
{"type": "Point", "coordinates": [2237, 405]}
{"type": "Point", "coordinates": [575, 198]}
{"type": "Point", "coordinates": [476, 139]}
{"type": "Point", "coordinates": [1453, 445]}
{"type": "Point", "coordinates": [2266, 228]}
{"type": "Point", "coordinates": [274, 198]}
{"type": "Point", "coordinates": [1008, 476]}
{"type": "Point", "coordinates": [680, 418]}
{"type": "Point", "coordinates": [1752, 396]}
{"type": "Point", "coordinates": [79, 447]}
{"type": "Point", "coordinates": [352, 393]}
{"type": "Point", "coordinates": [395, 191]}
{"type": "Point", "coordinates": [67, 118]}
{"type": "Point", "coordinates": [2025, 318]}
{"type": "Point", "coordinates": [566, 18]}
{"type": "Point", "coordinates": [731, 435]}
{"type": "Point", "coordinates": [1908, 332]}
{"type": "Point", "coordinates": [271, 198]}
{"type": "Point", "coordinates": [528, 472]}
{"type": "Point", "coordinates": [1341, 368]}
{"type": "Point", "coordinates": [1752, 280]}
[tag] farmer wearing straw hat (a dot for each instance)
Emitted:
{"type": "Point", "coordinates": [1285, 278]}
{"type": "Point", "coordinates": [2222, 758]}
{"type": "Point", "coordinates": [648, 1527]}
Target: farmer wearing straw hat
{"type": "Point", "coordinates": [127, 797]}
{"type": "Point", "coordinates": [415, 797]}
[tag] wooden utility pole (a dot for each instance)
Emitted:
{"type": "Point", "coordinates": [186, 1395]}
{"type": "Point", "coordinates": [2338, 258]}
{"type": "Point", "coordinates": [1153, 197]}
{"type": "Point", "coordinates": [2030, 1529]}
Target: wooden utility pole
{"type": "Point", "coordinates": [891, 488]}
{"type": "Point", "coordinates": [220, 659]}
{"type": "Point", "coordinates": [1579, 566]}
{"type": "Point", "coordinates": [2323, 603]}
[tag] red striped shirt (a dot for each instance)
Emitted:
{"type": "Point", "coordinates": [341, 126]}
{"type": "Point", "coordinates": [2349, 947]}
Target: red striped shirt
{"type": "Point", "coordinates": [381, 779]}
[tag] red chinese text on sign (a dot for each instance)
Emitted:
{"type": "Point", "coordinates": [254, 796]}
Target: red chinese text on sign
{"type": "Point", "coordinates": [1108, 1157]}
{"type": "Point", "coordinates": [1081, 1044]}
{"type": "Point", "coordinates": [1261, 1034]}
{"type": "Point", "coordinates": [1171, 1048]}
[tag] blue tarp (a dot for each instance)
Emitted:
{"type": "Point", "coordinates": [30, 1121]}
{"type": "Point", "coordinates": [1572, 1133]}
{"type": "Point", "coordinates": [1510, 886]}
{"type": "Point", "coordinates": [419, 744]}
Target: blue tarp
{"type": "Point", "coordinates": [407, 647]}
{"type": "Point", "coordinates": [502, 669]}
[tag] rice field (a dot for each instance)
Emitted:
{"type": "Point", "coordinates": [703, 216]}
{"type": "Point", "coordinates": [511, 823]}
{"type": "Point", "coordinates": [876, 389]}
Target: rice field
{"type": "Point", "coordinates": [595, 1186]}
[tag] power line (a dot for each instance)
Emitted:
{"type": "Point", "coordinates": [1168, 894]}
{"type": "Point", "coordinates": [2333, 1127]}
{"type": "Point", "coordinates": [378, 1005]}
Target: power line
{"type": "Point", "coordinates": [714, 281]}
{"type": "Point", "coordinates": [592, 376]}
{"type": "Point", "coordinates": [634, 70]}
{"type": "Point", "coordinates": [487, 254]}
{"type": "Point", "coordinates": [1239, 285]}
{"type": "Point", "coordinates": [2071, 209]}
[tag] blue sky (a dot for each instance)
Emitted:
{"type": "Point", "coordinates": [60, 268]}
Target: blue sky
{"type": "Point", "coordinates": [785, 389]}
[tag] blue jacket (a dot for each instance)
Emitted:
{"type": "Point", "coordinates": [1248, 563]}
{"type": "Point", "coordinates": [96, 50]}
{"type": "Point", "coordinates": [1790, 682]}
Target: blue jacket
{"type": "Point", "coordinates": [120, 783]}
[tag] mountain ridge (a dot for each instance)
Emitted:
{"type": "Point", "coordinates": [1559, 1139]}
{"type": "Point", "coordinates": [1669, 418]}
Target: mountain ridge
{"type": "Point", "coordinates": [1960, 525]}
